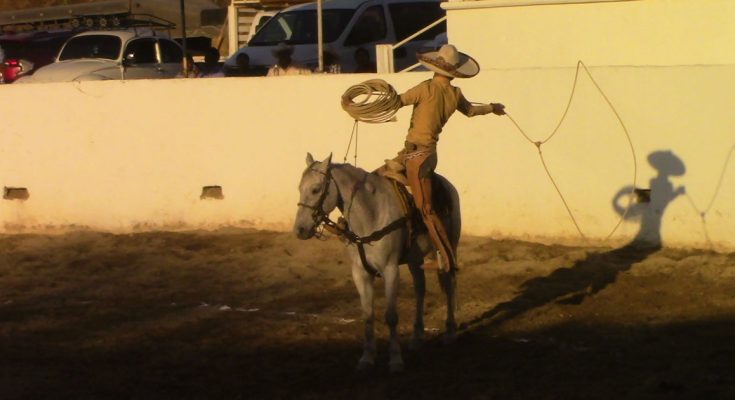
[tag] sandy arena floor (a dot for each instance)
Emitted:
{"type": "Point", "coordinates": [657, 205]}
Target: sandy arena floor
{"type": "Point", "coordinates": [245, 314]}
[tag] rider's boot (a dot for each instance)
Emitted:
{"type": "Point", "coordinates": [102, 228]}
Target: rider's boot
{"type": "Point", "coordinates": [445, 260]}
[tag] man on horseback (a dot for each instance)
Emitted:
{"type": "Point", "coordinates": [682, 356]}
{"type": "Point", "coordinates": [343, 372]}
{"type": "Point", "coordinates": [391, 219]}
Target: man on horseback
{"type": "Point", "coordinates": [434, 101]}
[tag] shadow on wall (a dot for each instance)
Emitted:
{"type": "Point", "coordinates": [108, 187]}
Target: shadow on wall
{"type": "Point", "coordinates": [571, 285]}
{"type": "Point", "coordinates": [649, 205]}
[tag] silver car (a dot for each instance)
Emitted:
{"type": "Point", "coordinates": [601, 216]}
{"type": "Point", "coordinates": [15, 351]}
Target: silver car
{"type": "Point", "coordinates": [106, 55]}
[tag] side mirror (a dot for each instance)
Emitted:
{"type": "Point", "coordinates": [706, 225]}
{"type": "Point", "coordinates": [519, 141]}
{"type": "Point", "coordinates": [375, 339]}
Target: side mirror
{"type": "Point", "coordinates": [128, 60]}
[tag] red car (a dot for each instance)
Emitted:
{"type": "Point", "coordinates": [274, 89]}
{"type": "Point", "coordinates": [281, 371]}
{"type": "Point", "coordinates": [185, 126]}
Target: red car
{"type": "Point", "coordinates": [25, 52]}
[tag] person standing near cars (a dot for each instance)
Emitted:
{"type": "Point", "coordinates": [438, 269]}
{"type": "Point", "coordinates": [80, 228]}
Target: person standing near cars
{"type": "Point", "coordinates": [285, 64]}
{"type": "Point", "coordinates": [2, 64]}
{"type": "Point", "coordinates": [434, 101]}
{"type": "Point", "coordinates": [211, 67]}
{"type": "Point", "coordinates": [362, 61]}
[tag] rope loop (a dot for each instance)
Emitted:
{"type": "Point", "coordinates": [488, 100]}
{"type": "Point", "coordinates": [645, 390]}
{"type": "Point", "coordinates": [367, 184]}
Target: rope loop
{"type": "Point", "coordinates": [379, 102]}
{"type": "Point", "coordinates": [539, 143]}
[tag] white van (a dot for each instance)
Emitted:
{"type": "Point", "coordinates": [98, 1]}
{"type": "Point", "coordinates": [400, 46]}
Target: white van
{"type": "Point", "coordinates": [347, 26]}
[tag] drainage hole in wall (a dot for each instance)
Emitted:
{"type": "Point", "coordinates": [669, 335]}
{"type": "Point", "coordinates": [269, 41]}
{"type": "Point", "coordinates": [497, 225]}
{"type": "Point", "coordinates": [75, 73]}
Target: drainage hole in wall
{"type": "Point", "coordinates": [212, 192]}
{"type": "Point", "coordinates": [15, 193]}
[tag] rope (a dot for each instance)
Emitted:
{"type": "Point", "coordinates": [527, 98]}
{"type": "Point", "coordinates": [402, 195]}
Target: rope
{"type": "Point", "coordinates": [703, 213]}
{"type": "Point", "coordinates": [380, 102]}
{"type": "Point", "coordinates": [354, 134]}
{"type": "Point", "coordinates": [538, 145]}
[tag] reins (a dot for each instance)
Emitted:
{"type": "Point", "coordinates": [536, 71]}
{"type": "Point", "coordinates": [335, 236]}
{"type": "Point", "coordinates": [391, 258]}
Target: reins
{"type": "Point", "coordinates": [320, 218]}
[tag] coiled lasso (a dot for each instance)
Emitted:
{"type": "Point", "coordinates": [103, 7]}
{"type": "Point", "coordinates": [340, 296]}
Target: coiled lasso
{"type": "Point", "coordinates": [380, 102]}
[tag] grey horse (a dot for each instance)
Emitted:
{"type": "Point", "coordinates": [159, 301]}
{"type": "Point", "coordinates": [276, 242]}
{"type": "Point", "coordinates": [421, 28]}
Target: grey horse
{"type": "Point", "coordinates": [369, 204]}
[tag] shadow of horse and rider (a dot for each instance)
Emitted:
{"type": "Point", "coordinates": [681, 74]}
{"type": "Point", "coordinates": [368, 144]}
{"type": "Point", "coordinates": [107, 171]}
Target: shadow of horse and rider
{"type": "Point", "coordinates": [572, 285]}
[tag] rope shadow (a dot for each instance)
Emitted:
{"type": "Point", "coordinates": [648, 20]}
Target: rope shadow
{"type": "Point", "coordinates": [702, 213]}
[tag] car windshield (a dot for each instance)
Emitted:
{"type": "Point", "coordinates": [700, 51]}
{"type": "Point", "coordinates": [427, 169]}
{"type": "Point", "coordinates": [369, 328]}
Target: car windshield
{"type": "Point", "coordinates": [300, 27]}
{"type": "Point", "coordinates": [92, 46]}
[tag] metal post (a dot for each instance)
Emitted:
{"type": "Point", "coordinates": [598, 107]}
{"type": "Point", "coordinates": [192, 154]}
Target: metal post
{"type": "Point", "coordinates": [320, 35]}
{"type": "Point", "coordinates": [384, 58]}
{"type": "Point", "coordinates": [233, 29]}
{"type": "Point", "coordinates": [183, 39]}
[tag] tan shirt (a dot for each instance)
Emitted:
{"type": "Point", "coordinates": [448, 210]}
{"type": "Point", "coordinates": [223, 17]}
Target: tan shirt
{"type": "Point", "coordinates": [434, 101]}
{"type": "Point", "coordinates": [292, 69]}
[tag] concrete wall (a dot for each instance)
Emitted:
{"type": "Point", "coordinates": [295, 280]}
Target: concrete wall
{"type": "Point", "coordinates": [125, 156]}
{"type": "Point", "coordinates": [668, 68]}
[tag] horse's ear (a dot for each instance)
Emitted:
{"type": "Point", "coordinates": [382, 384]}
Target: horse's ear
{"type": "Point", "coordinates": [309, 159]}
{"type": "Point", "coordinates": [327, 160]}
{"type": "Point", "coordinates": [324, 165]}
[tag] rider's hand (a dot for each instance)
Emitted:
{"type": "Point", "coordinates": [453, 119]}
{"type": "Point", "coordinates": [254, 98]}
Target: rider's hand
{"type": "Point", "coordinates": [498, 109]}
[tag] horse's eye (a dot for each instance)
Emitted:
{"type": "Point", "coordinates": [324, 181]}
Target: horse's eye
{"type": "Point", "coordinates": [316, 190]}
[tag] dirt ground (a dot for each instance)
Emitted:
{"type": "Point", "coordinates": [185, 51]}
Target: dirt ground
{"type": "Point", "coordinates": [239, 314]}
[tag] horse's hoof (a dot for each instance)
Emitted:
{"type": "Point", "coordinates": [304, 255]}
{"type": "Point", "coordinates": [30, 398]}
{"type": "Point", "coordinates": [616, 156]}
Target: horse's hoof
{"type": "Point", "coordinates": [364, 367]}
{"type": "Point", "coordinates": [395, 368]}
{"type": "Point", "coordinates": [449, 338]}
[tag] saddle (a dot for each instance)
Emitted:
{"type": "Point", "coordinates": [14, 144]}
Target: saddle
{"type": "Point", "coordinates": [440, 198]}
{"type": "Point", "coordinates": [411, 218]}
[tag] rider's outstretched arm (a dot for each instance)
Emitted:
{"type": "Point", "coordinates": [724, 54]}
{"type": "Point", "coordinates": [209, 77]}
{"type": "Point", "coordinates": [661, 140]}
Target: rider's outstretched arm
{"type": "Point", "coordinates": [471, 110]}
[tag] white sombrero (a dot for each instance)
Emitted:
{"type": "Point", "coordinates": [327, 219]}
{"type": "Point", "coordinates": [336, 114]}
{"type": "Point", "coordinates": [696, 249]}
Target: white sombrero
{"type": "Point", "coordinates": [449, 62]}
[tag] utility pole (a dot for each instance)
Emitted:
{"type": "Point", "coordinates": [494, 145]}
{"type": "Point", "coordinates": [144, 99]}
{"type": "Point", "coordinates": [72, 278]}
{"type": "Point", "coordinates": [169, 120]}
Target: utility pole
{"type": "Point", "coordinates": [320, 35]}
{"type": "Point", "coordinates": [183, 39]}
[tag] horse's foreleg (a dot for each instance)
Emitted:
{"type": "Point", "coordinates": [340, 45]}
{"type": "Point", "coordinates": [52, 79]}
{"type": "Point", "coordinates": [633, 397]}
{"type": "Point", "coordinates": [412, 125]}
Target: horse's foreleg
{"type": "Point", "coordinates": [364, 284]}
{"type": "Point", "coordinates": [395, 363]}
{"type": "Point", "coordinates": [448, 282]}
{"type": "Point", "coordinates": [419, 287]}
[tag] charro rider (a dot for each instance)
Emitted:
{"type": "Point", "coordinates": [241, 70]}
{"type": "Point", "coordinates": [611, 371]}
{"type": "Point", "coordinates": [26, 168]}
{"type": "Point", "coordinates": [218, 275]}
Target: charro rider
{"type": "Point", "coordinates": [434, 101]}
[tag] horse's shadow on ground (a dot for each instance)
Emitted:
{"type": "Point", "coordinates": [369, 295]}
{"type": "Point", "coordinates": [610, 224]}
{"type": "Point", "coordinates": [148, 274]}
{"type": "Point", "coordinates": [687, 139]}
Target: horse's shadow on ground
{"type": "Point", "coordinates": [567, 285]}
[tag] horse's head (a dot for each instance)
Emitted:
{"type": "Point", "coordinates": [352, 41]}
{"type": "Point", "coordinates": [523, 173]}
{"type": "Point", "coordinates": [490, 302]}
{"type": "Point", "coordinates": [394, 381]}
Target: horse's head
{"type": "Point", "coordinates": [318, 198]}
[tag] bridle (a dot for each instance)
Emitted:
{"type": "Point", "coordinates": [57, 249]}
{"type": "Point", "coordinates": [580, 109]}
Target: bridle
{"type": "Point", "coordinates": [320, 217]}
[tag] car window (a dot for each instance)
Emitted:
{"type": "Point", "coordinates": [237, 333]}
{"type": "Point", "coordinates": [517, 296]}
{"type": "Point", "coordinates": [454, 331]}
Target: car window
{"type": "Point", "coordinates": [409, 18]}
{"type": "Point", "coordinates": [262, 21]}
{"type": "Point", "coordinates": [370, 27]}
{"type": "Point", "coordinates": [40, 49]}
{"type": "Point", "coordinates": [141, 51]}
{"type": "Point", "coordinates": [92, 46]}
{"type": "Point", "coordinates": [300, 27]}
{"type": "Point", "coordinates": [170, 51]}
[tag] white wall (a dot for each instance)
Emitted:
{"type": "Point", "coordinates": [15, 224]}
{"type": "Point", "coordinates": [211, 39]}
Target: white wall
{"type": "Point", "coordinates": [124, 156]}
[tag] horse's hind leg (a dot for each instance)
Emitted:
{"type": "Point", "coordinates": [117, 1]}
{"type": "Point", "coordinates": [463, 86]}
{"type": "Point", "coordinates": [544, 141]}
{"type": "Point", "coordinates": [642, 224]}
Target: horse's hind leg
{"type": "Point", "coordinates": [419, 286]}
{"type": "Point", "coordinates": [395, 362]}
{"type": "Point", "coordinates": [364, 284]}
{"type": "Point", "coordinates": [448, 282]}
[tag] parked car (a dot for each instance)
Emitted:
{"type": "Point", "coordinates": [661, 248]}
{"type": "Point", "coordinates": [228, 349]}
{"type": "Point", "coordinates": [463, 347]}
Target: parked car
{"type": "Point", "coordinates": [113, 55]}
{"type": "Point", "coordinates": [25, 52]}
{"type": "Point", "coordinates": [347, 26]}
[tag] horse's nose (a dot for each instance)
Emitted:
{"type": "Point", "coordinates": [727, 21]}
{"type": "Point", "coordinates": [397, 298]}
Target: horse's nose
{"type": "Point", "coordinates": [301, 232]}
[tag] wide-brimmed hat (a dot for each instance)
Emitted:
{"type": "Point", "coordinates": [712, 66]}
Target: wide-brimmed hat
{"type": "Point", "coordinates": [667, 163]}
{"type": "Point", "coordinates": [282, 48]}
{"type": "Point", "coordinates": [448, 61]}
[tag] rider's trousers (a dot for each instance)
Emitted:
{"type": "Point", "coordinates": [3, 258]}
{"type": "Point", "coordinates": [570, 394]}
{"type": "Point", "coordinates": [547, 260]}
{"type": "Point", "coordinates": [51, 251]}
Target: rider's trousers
{"type": "Point", "coordinates": [420, 166]}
